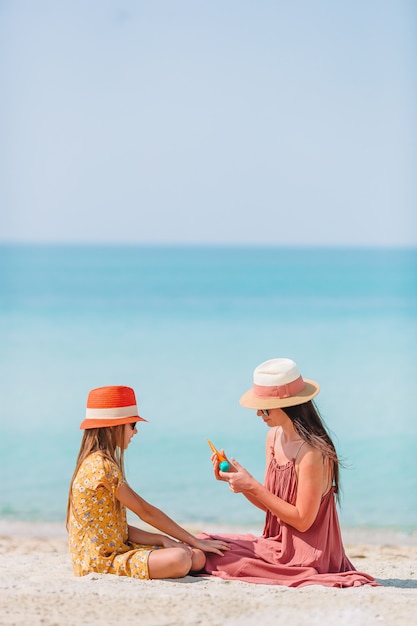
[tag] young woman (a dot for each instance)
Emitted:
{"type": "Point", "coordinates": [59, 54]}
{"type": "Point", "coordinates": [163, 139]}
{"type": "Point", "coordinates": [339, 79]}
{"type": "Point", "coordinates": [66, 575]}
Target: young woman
{"type": "Point", "coordinates": [100, 540]}
{"type": "Point", "coordinates": [301, 542]}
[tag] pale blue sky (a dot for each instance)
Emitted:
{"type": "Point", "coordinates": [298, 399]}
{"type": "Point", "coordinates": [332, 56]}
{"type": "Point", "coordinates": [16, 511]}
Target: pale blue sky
{"type": "Point", "coordinates": [229, 121]}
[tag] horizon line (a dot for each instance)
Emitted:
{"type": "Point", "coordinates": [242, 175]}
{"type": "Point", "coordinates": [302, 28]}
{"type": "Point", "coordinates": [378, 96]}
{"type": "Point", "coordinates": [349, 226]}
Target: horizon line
{"type": "Point", "coordinates": [207, 244]}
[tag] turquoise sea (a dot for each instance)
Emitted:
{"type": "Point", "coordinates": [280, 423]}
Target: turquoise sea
{"type": "Point", "coordinates": [186, 326]}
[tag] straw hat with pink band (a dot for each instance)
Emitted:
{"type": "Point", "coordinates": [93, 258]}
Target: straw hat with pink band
{"type": "Point", "coordinates": [111, 406]}
{"type": "Point", "coordinates": [277, 383]}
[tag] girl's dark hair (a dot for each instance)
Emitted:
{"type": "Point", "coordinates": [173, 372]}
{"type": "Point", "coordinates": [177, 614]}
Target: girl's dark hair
{"type": "Point", "coordinates": [310, 426]}
{"type": "Point", "coordinates": [109, 442]}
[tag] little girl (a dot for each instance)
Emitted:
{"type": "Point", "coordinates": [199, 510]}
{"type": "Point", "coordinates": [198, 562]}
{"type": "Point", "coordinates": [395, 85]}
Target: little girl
{"type": "Point", "coordinates": [100, 540]}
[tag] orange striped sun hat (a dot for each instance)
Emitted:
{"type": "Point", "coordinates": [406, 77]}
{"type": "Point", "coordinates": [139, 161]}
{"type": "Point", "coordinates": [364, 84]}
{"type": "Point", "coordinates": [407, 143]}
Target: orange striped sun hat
{"type": "Point", "coordinates": [111, 406]}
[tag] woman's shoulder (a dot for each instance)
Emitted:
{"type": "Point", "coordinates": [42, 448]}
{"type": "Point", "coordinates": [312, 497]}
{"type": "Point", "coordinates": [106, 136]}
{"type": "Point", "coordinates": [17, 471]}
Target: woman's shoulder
{"type": "Point", "coordinates": [309, 454]}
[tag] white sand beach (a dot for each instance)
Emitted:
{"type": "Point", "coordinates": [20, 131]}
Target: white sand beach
{"type": "Point", "coordinates": [37, 587]}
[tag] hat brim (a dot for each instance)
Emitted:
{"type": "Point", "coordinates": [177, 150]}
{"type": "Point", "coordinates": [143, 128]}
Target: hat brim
{"type": "Point", "coordinates": [251, 401]}
{"type": "Point", "coordinates": [97, 423]}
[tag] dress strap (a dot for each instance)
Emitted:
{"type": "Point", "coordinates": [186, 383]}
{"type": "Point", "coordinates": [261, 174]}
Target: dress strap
{"type": "Point", "coordinates": [273, 443]}
{"type": "Point", "coordinates": [298, 451]}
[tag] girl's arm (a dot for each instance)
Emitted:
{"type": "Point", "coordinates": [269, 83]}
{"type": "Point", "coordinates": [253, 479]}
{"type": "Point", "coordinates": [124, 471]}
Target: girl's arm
{"type": "Point", "coordinates": [158, 519]}
{"type": "Point", "coordinates": [150, 539]}
{"type": "Point", "coordinates": [309, 493]}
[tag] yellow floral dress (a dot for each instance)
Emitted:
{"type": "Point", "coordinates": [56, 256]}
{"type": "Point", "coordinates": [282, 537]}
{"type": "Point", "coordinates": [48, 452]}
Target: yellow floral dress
{"type": "Point", "coordinates": [98, 530]}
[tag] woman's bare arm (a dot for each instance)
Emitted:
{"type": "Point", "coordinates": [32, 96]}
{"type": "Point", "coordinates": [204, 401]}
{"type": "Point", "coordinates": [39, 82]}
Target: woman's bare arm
{"type": "Point", "coordinates": [269, 442]}
{"type": "Point", "coordinates": [301, 516]}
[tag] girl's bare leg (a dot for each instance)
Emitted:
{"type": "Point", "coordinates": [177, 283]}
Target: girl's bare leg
{"type": "Point", "coordinates": [198, 560]}
{"type": "Point", "coordinates": [171, 562]}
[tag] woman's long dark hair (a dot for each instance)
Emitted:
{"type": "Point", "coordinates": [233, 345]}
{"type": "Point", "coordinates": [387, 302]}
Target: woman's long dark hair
{"type": "Point", "coordinates": [309, 425]}
{"type": "Point", "coordinates": [109, 442]}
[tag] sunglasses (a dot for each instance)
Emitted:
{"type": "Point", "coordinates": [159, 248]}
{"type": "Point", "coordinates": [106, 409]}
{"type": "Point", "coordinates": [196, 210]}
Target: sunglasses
{"type": "Point", "coordinates": [264, 412]}
{"type": "Point", "coordinates": [133, 425]}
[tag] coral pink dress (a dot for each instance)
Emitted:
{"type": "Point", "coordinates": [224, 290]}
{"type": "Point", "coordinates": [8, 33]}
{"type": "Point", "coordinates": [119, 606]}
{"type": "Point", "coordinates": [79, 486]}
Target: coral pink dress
{"type": "Point", "coordinates": [284, 555]}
